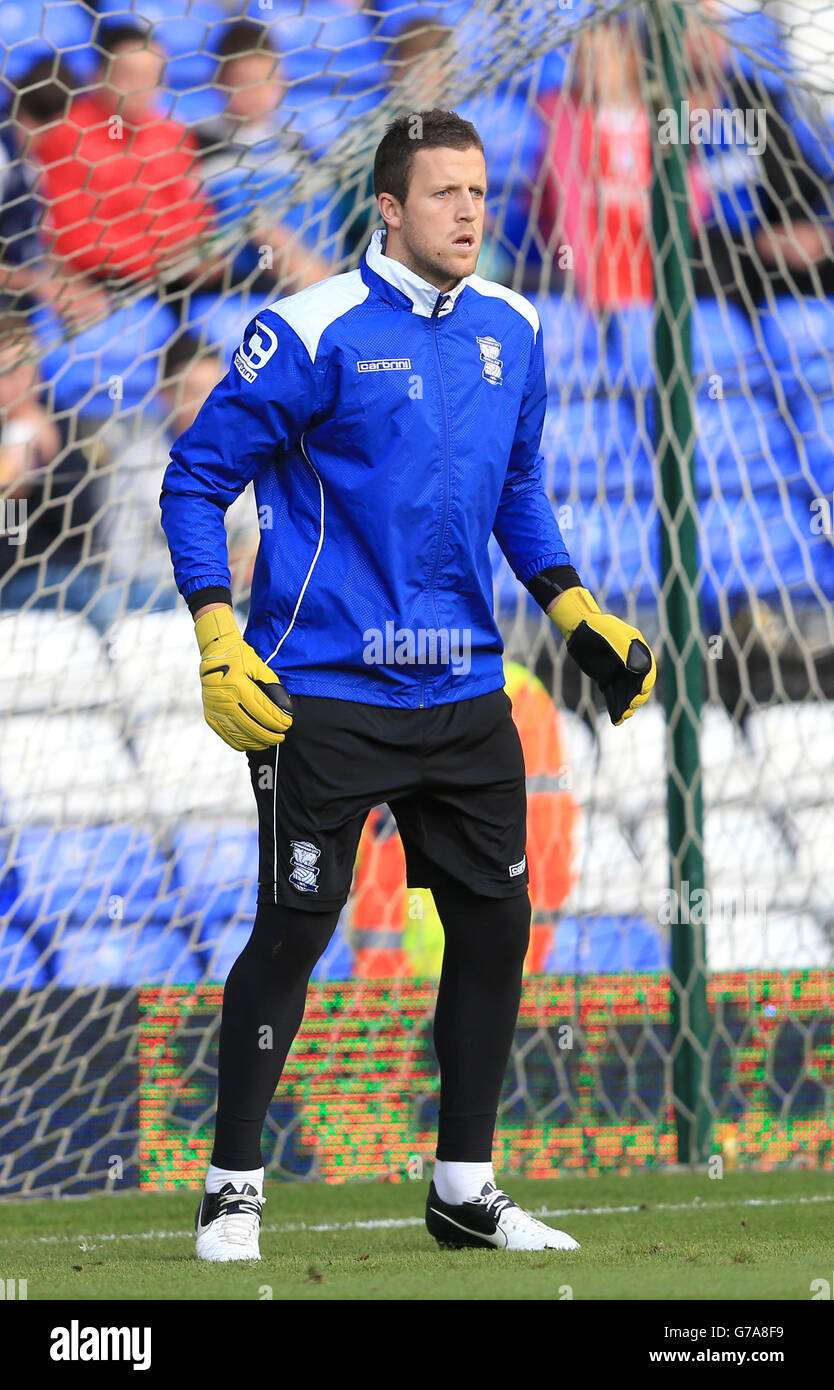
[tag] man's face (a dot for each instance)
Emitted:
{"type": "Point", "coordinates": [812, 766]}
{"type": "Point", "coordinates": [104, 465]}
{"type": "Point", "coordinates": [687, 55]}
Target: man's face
{"type": "Point", "coordinates": [255, 85]}
{"type": "Point", "coordinates": [18, 378]}
{"type": "Point", "coordinates": [133, 78]}
{"type": "Point", "coordinates": [438, 232]}
{"type": "Point", "coordinates": [188, 393]}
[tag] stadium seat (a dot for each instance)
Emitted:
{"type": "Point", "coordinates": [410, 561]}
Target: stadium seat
{"type": "Point", "coordinates": [332, 58]}
{"type": "Point", "coordinates": [215, 872]}
{"type": "Point", "coordinates": [187, 768]}
{"type": "Point", "coordinates": [116, 955]}
{"type": "Point", "coordinates": [607, 944]}
{"type": "Point", "coordinates": [631, 770]}
{"type": "Point", "coordinates": [614, 544]}
{"type": "Point", "coordinates": [728, 769]}
{"type": "Point", "coordinates": [155, 664]}
{"type": "Point", "coordinates": [573, 341]}
{"type": "Point", "coordinates": [813, 423]}
{"type": "Point", "coordinates": [67, 768]}
{"type": "Point", "coordinates": [808, 887]}
{"type": "Point", "coordinates": [593, 447]}
{"type": "Point", "coordinates": [799, 339]}
{"type": "Point", "coordinates": [220, 320]}
{"type": "Point", "coordinates": [760, 547]}
{"type": "Point", "coordinates": [610, 874]}
{"type": "Point", "coordinates": [121, 355]}
{"type": "Point", "coordinates": [30, 31]}
{"type": "Point", "coordinates": [197, 106]}
{"type": "Point", "coordinates": [770, 941]}
{"type": "Point", "coordinates": [583, 754]}
{"type": "Point", "coordinates": [94, 875]}
{"type": "Point", "coordinates": [21, 961]}
{"type": "Point", "coordinates": [52, 662]}
{"type": "Point", "coordinates": [793, 748]}
{"type": "Point", "coordinates": [745, 854]}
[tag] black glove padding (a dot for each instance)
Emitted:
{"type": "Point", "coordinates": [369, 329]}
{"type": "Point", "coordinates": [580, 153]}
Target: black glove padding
{"type": "Point", "coordinates": [625, 677]}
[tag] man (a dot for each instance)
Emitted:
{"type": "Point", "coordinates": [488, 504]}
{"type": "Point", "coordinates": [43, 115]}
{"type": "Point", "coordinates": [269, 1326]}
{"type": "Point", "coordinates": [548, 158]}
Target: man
{"type": "Point", "coordinates": [390, 418]}
{"type": "Point", "coordinates": [119, 178]}
{"type": "Point", "coordinates": [128, 485]}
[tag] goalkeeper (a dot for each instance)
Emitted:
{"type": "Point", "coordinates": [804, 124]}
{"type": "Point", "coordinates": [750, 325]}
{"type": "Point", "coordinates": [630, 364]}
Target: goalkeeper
{"type": "Point", "coordinates": [391, 419]}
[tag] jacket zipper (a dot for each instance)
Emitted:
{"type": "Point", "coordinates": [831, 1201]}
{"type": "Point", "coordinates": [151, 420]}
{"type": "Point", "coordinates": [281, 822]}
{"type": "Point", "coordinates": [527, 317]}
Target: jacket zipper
{"type": "Point", "coordinates": [446, 467]}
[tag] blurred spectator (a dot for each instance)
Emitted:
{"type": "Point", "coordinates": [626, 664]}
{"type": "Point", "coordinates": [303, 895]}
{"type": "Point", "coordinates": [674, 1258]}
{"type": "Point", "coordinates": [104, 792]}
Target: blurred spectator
{"type": "Point", "coordinates": [421, 61]}
{"type": "Point", "coordinates": [251, 156]}
{"type": "Point", "coordinates": [596, 169]}
{"type": "Point", "coordinates": [27, 274]}
{"type": "Point", "coordinates": [763, 211]}
{"type": "Point", "coordinates": [50, 559]}
{"type": "Point", "coordinates": [28, 438]}
{"type": "Point", "coordinates": [130, 486]}
{"type": "Point", "coordinates": [119, 178]}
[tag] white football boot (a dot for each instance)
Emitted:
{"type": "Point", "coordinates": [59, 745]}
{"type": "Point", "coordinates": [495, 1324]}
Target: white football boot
{"type": "Point", "coordinates": [491, 1220]}
{"type": "Point", "coordinates": [228, 1224]}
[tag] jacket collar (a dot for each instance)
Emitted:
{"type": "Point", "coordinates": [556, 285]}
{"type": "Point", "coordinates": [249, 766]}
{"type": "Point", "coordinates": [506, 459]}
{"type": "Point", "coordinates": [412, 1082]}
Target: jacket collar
{"type": "Point", "coordinates": [411, 291]}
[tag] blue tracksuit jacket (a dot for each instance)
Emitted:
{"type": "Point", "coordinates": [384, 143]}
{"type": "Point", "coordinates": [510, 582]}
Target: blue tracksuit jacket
{"type": "Point", "coordinates": [389, 429]}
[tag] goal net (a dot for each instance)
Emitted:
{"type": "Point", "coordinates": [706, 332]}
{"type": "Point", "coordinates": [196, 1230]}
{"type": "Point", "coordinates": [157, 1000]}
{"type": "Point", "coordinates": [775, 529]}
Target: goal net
{"type": "Point", "coordinates": [166, 170]}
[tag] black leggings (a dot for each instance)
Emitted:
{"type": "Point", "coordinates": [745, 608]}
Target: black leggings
{"type": "Point", "coordinates": [474, 1022]}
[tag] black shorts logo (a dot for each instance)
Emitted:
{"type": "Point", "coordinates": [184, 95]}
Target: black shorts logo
{"type": "Point", "coordinates": [304, 859]}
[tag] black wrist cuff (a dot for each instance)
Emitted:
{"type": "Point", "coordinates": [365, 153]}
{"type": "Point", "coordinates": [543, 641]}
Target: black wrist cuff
{"type": "Point", "coordinates": [201, 597]}
{"type": "Point", "coordinates": [550, 583]}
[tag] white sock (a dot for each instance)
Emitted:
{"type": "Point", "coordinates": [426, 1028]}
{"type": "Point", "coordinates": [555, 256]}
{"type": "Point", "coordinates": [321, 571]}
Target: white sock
{"type": "Point", "coordinates": [460, 1182]}
{"type": "Point", "coordinates": [216, 1178]}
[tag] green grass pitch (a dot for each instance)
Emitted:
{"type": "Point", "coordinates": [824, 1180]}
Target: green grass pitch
{"type": "Point", "coordinates": [664, 1236]}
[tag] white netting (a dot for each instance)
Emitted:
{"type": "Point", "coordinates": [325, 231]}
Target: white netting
{"type": "Point", "coordinates": [155, 193]}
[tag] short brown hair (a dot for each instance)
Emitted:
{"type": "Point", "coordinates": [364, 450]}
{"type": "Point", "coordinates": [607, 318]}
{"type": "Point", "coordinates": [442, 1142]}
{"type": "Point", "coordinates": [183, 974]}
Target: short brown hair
{"type": "Point", "coordinates": [418, 130]}
{"type": "Point", "coordinates": [243, 38]}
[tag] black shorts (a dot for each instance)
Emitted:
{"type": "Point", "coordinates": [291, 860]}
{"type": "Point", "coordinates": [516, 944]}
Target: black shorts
{"type": "Point", "coordinates": [452, 775]}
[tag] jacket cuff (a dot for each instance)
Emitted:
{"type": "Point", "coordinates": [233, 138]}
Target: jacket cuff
{"type": "Point", "coordinates": [549, 583]}
{"type": "Point", "coordinates": [201, 597]}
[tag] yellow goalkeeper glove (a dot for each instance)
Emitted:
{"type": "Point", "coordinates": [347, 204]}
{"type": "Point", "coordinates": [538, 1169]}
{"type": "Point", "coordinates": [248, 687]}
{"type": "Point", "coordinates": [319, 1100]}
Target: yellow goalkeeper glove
{"type": "Point", "coordinates": [610, 651]}
{"type": "Point", "coordinates": [243, 700]}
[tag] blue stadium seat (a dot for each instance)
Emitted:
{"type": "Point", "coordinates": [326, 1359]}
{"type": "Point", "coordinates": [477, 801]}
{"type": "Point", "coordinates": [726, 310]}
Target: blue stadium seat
{"type": "Point", "coordinates": [21, 961]}
{"type": "Point", "coordinates": [764, 36]}
{"type": "Point", "coordinates": [814, 422]}
{"type": "Point", "coordinates": [607, 944]}
{"type": "Point", "coordinates": [215, 873]}
{"type": "Point", "coordinates": [221, 319]}
{"type": "Point", "coordinates": [615, 546]}
{"type": "Point", "coordinates": [799, 338]}
{"type": "Point", "coordinates": [324, 40]}
{"type": "Point", "coordinates": [123, 352]}
{"type": "Point", "coordinates": [723, 341]}
{"type": "Point", "coordinates": [30, 31]}
{"type": "Point", "coordinates": [113, 875]}
{"type": "Point", "coordinates": [196, 107]}
{"type": "Point", "coordinates": [762, 547]}
{"type": "Point", "coordinates": [741, 439]}
{"type": "Point", "coordinates": [594, 446]}
{"type": "Point", "coordinates": [573, 341]}
{"type": "Point", "coordinates": [115, 955]}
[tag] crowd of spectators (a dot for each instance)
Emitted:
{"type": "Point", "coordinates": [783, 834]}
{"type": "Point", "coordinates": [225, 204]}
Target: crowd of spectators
{"type": "Point", "coordinates": [118, 209]}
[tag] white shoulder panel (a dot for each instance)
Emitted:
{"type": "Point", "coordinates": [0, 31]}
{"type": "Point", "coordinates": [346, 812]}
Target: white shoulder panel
{"type": "Point", "coordinates": [313, 310]}
{"type": "Point", "coordinates": [516, 301]}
